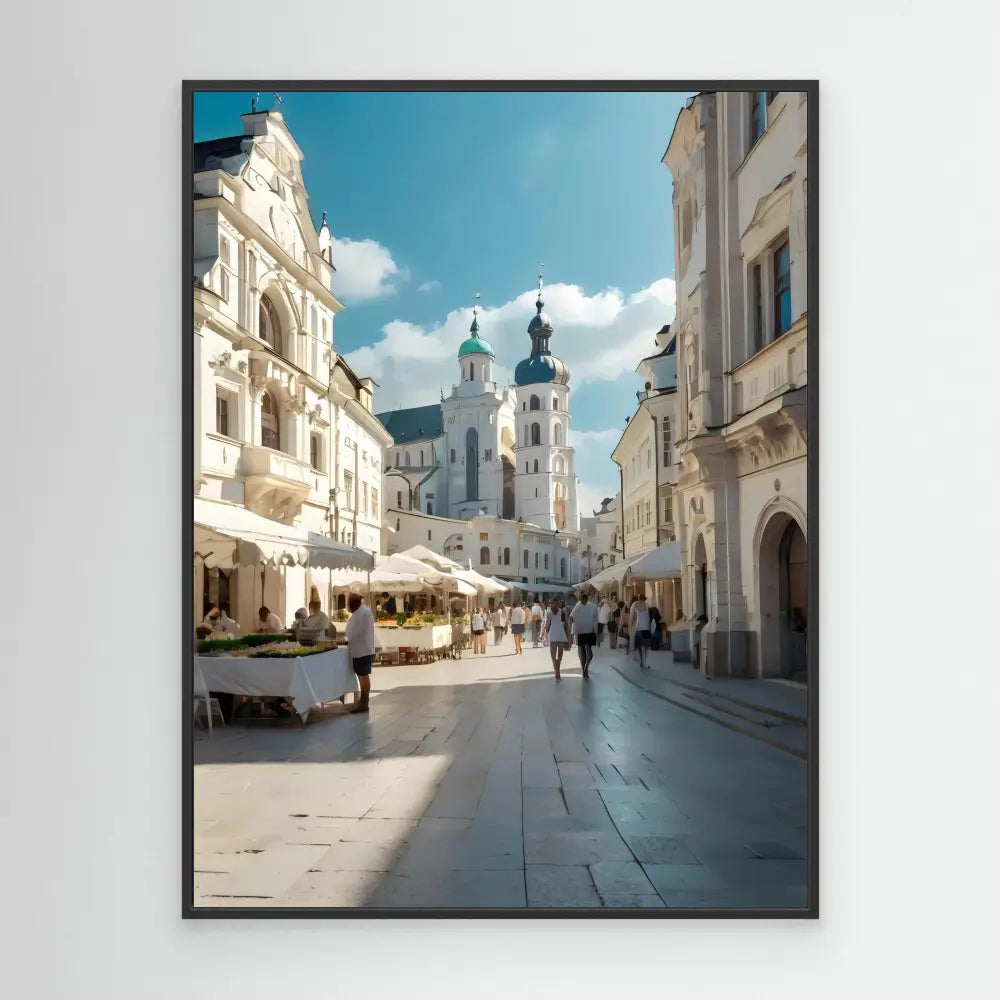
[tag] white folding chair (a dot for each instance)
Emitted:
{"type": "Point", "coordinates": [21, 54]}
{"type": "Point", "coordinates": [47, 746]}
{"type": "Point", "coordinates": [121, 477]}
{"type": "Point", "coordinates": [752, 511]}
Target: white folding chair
{"type": "Point", "coordinates": [213, 709]}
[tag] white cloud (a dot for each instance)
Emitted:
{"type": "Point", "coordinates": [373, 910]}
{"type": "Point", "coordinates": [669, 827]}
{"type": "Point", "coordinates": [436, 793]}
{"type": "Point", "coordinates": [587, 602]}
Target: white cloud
{"type": "Point", "coordinates": [429, 286]}
{"type": "Point", "coordinates": [608, 437]}
{"type": "Point", "coordinates": [365, 271]}
{"type": "Point", "coordinates": [600, 337]}
{"type": "Point", "coordinates": [588, 499]}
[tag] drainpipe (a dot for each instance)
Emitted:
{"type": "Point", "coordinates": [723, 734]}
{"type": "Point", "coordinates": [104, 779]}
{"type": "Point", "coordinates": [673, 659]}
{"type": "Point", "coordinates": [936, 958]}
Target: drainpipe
{"type": "Point", "coordinates": [656, 475]}
{"type": "Point", "coordinates": [621, 505]}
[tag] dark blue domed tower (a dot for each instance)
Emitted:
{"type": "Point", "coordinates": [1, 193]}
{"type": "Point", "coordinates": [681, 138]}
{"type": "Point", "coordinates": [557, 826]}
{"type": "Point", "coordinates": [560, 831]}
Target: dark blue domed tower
{"type": "Point", "coordinates": [541, 365]}
{"type": "Point", "coordinates": [545, 484]}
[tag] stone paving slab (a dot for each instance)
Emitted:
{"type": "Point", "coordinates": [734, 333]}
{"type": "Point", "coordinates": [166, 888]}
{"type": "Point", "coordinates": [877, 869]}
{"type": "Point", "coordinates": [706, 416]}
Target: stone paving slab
{"type": "Point", "coordinates": [560, 885]}
{"type": "Point", "coordinates": [484, 784]}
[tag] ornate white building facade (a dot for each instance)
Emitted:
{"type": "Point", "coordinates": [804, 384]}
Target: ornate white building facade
{"type": "Point", "coordinates": [282, 426]}
{"type": "Point", "coordinates": [738, 162]}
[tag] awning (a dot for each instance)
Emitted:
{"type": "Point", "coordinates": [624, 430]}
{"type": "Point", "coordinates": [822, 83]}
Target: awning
{"type": "Point", "coordinates": [227, 535]}
{"type": "Point", "coordinates": [663, 563]}
{"type": "Point", "coordinates": [612, 575]}
{"type": "Point", "coordinates": [425, 555]}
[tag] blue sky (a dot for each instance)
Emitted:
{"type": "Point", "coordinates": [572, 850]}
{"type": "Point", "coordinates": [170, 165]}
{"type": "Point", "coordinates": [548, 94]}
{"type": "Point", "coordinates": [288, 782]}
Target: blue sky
{"type": "Point", "coordinates": [432, 197]}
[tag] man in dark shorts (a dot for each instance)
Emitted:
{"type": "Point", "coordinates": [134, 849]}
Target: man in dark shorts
{"type": "Point", "coordinates": [360, 634]}
{"type": "Point", "coordinates": [584, 617]}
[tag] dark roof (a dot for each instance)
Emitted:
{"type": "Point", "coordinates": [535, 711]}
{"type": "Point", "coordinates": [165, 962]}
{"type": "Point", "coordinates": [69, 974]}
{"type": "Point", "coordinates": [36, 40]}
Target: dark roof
{"type": "Point", "coordinates": [231, 145]}
{"type": "Point", "coordinates": [671, 347]}
{"type": "Point", "coordinates": [414, 424]}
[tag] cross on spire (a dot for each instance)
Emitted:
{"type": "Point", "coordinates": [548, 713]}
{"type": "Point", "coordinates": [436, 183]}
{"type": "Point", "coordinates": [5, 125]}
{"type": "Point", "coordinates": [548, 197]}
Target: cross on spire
{"type": "Point", "coordinates": [540, 264]}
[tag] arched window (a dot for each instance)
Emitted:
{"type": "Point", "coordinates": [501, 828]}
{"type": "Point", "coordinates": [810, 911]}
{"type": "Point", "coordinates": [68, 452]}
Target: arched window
{"type": "Point", "coordinates": [525, 558]}
{"type": "Point", "coordinates": [421, 457]}
{"type": "Point", "coordinates": [527, 434]}
{"type": "Point", "coordinates": [546, 560]}
{"type": "Point", "coordinates": [506, 557]}
{"type": "Point", "coordinates": [559, 434]}
{"type": "Point", "coordinates": [270, 435]}
{"type": "Point", "coordinates": [558, 466]}
{"type": "Point", "coordinates": [536, 434]}
{"type": "Point", "coordinates": [536, 560]}
{"type": "Point", "coordinates": [562, 569]}
{"type": "Point", "coordinates": [525, 466]}
{"type": "Point", "coordinates": [397, 459]}
{"type": "Point", "coordinates": [555, 402]}
{"type": "Point", "coordinates": [536, 465]}
{"type": "Point", "coordinates": [268, 324]}
{"type": "Point", "coordinates": [524, 406]}
{"type": "Point", "coordinates": [499, 556]}
{"type": "Point", "coordinates": [472, 464]}
{"type": "Point", "coordinates": [453, 454]}
{"type": "Point", "coordinates": [407, 459]}
{"type": "Point", "coordinates": [470, 373]}
{"type": "Point", "coordinates": [484, 556]}
{"type": "Point", "coordinates": [535, 404]}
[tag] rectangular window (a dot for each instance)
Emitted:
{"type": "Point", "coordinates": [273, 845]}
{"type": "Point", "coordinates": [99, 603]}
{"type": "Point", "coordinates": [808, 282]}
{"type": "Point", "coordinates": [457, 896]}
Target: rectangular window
{"type": "Point", "coordinates": [668, 510]}
{"type": "Point", "coordinates": [489, 454]}
{"type": "Point", "coordinates": [667, 442]}
{"type": "Point", "coordinates": [224, 251]}
{"type": "Point", "coordinates": [546, 561]}
{"type": "Point", "coordinates": [484, 536]}
{"type": "Point", "coordinates": [349, 490]}
{"type": "Point", "coordinates": [649, 513]}
{"type": "Point", "coordinates": [782, 290]}
{"type": "Point", "coordinates": [757, 302]}
{"type": "Point", "coordinates": [525, 558]}
{"type": "Point", "coordinates": [536, 560]}
{"type": "Point", "coordinates": [399, 498]}
{"type": "Point", "coordinates": [428, 533]}
{"type": "Point", "coordinates": [363, 499]}
{"type": "Point", "coordinates": [222, 413]}
{"type": "Point", "coordinates": [316, 451]}
{"type": "Point", "coordinates": [374, 511]}
{"type": "Point", "coordinates": [224, 283]}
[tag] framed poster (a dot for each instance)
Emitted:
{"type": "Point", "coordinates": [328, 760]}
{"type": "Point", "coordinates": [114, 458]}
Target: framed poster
{"type": "Point", "coordinates": [501, 571]}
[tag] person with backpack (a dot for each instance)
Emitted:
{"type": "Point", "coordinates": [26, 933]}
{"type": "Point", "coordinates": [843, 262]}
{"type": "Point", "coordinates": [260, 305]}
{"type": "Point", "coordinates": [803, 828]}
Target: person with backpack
{"type": "Point", "coordinates": [584, 617]}
{"type": "Point", "coordinates": [558, 635]}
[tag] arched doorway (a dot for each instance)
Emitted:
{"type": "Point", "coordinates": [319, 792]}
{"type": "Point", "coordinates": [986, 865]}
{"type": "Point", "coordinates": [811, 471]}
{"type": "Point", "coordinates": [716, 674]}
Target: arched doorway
{"type": "Point", "coordinates": [782, 596]}
{"type": "Point", "coordinates": [699, 599]}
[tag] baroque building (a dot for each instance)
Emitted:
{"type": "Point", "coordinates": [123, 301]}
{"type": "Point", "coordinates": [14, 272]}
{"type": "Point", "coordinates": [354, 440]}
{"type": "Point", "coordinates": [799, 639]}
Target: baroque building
{"type": "Point", "coordinates": [738, 162]}
{"type": "Point", "coordinates": [486, 449]}
{"type": "Point", "coordinates": [283, 427]}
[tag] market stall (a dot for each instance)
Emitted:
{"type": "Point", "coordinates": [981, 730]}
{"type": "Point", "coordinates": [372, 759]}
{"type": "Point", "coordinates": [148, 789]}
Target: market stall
{"type": "Point", "coordinates": [306, 680]}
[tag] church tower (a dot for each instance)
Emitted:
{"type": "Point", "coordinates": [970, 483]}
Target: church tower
{"type": "Point", "coordinates": [477, 422]}
{"type": "Point", "coordinates": [545, 484]}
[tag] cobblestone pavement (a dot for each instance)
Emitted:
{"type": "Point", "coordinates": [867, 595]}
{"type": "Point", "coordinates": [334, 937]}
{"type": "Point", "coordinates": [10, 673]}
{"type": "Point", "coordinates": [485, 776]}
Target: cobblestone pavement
{"type": "Point", "coordinates": [482, 783]}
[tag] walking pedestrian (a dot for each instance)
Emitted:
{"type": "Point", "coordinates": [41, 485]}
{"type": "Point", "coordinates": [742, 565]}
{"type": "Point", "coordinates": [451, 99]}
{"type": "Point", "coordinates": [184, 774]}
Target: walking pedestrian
{"type": "Point", "coordinates": [360, 633]}
{"type": "Point", "coordinates": [478, 631]}
{"type": "Point", "coordinates": [555, 628]}
{"type": "Point", "coordinates": [615, 626]}
{"type": "Point", "coordinates": [639, 624]}
{"type": "Point", "coordinates": [584, 617]}
{"type": "Point", "coordinates": [655, 619]}
{"type": "Point", "coordinates": [517, 626]}
{"type": "Point", "coordinates": [538, 620]}
{"type": "Point", "coordinates": [498, 626]}
{"type": "Point", "coordinates": [603, 617]}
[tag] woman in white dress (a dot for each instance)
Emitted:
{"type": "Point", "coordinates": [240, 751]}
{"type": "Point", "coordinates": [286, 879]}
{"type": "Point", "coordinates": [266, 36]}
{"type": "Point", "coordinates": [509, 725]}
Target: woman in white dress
{"type": "Point", "coordinates": [558, 635]}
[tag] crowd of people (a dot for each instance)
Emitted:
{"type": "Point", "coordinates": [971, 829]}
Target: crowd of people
{"type": "Point", "coordinates": [560, 624]}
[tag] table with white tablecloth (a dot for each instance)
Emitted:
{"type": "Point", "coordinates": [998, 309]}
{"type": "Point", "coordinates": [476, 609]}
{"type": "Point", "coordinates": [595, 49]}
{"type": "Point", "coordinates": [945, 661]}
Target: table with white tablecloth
{"type": "Point", "coordinates": [304, 680]}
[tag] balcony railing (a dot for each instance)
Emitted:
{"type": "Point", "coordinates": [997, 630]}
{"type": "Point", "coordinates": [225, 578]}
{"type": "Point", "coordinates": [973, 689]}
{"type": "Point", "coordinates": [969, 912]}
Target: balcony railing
{"type": "Point", "coordinates": [264, 461]}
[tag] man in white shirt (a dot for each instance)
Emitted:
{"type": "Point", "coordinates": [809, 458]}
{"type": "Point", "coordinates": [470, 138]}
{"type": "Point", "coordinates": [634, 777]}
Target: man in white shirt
{"type": "Point", "coordinates": [639, 625]}
{"type": "Point", "coordinates": [498, 625]}
{"type": "Point", "coordinates": [360, 633]}
{"type": "Point", "coordinates": [584, 618]}
{"type": "Point", "coordinates": [268, 622]}
{"type": "Point", "coordinates": [537, 624]}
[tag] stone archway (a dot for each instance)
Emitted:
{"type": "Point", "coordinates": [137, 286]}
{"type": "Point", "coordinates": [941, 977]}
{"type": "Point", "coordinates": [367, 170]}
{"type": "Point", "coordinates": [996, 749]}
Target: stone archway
{"type": "Point", "coordinates": [782, 573]}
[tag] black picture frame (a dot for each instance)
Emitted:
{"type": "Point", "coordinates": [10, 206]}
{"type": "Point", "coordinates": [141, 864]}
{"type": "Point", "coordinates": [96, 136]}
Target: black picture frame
{"type": "Point", "coordinates": [188, 90]}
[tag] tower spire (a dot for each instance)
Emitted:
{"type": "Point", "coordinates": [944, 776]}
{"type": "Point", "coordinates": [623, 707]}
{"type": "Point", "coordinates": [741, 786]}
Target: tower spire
{"type": "Point", "coordinates": [539, 303]}
{"type": "Point", "coordinates": [474, 329]}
